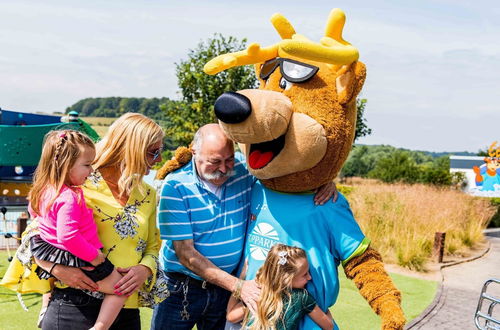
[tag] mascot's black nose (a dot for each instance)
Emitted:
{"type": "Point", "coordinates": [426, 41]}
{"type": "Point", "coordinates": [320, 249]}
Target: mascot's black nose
{"type": "Point", "coordinates": [232, 108]}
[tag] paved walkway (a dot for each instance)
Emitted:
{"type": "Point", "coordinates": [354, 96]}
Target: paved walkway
{"type": "Point", "coordinates": [460, 291]}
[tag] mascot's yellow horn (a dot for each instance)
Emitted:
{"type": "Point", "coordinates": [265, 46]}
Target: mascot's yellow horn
{"type": "Point", "coordinates": [332, 49]}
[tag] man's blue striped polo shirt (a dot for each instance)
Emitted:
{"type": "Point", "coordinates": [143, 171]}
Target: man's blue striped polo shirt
{"type": "Point", "coordinates": [188, 210]}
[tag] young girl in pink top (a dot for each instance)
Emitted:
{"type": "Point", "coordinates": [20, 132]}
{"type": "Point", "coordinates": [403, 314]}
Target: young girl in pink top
{"type": "Point", "coordinates": [68, 233]}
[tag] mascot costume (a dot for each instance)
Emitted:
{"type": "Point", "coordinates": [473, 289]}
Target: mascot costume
{"type": "Point", "coordinates": [296, 131]}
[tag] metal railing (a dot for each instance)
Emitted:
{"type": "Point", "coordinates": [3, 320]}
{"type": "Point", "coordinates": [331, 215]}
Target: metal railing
{"type": "Point", "coordinates": [484, 318]}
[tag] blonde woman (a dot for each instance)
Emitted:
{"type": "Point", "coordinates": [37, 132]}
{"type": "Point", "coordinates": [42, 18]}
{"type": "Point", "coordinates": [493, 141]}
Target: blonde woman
{"type": "Point", "coordinates": [124, 209]}
{"type": "Point", "coordinates": [284, 301]}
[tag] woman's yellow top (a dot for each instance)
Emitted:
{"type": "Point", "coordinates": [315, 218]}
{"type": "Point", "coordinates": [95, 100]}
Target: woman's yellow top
{"type": "Point", "coordinates": [128, 233]}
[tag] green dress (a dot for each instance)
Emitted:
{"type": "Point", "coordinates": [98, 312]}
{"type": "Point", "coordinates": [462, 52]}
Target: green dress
{"type": "Point", "coordinates": [299, 305]}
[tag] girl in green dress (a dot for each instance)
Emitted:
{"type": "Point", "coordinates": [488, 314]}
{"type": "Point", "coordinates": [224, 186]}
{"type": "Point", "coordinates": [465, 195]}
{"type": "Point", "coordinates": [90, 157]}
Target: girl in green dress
{"type": "Point", "coordinates": [284, 301]}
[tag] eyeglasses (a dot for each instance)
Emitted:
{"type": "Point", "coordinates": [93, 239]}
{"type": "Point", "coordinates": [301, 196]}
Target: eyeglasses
{"type": "Point", "coordinates": [155, 154]}
{"type": "Point", "coordinates": [293, 71]}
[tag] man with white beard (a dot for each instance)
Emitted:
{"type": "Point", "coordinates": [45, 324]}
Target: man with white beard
{"type": "Point", "coordinates": [203, 212]}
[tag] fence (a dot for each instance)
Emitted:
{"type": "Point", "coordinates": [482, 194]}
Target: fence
{"type": "Point", "coordinates": [8, 225]}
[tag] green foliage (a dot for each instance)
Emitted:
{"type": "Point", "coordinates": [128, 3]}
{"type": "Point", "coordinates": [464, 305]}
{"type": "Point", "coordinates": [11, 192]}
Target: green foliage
{"type": "Point", "coordinates": [362, 128]}
{"type": "Point", "coordinates": [399, 166]}
{"type": "Point", "coordinates": [199, 90]}
{"type": "Point", "coordinates": [391, 164]}
{"type": "Point", "coordinates": [484, 152]}
{"type": "Point", "coordinates": [363, 159]}
{"type": "Point", "coordinates": [116, 106]}
{"type": "Point", "coordinates": [437, 173]}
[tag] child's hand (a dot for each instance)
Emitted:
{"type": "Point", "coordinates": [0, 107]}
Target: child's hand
{"type": "Point", "coordinates": [99, 259]}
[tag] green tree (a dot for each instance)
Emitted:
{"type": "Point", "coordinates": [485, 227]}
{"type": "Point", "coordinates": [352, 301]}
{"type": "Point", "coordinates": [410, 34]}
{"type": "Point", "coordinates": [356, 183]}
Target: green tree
{"type": "Point", "coordinates": [356, 164]}
{"type": "Point", "coordinates": [367, 157]}
{"type": "Point", "coordinates": [362, 128]}
{"type": "Point", "coordinates": [437, 172]}
{"type": "Point", "coordinates": [398, 167]}
{"type": "Point", "coordinates": [199, 90]}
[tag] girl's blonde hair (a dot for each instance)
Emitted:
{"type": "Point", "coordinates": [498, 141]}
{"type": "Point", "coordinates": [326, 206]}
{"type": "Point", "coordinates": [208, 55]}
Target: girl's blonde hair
{"type": "Point", "coordinates": [275, 278]}
{"type": "Point", "coordinates": [60, 151]}
{"type": "Point", "coordinates": [125, 146]}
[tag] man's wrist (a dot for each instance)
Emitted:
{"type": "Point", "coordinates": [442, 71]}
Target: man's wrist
{"type": "Point", "coordinates": [237, 289]}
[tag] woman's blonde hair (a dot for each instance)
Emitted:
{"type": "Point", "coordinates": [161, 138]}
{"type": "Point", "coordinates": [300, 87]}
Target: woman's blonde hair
{"type": "Point", "coordinates": [125, 146]}
{"type": "Point", "coordinates": [275, 279]}
{"type": "Point", "coordinates": [60, 151]}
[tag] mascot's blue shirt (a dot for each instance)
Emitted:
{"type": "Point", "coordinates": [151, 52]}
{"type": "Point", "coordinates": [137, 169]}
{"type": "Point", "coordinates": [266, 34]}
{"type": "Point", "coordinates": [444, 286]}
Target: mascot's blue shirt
{"type": "Point", "coordinates": [329, 235]}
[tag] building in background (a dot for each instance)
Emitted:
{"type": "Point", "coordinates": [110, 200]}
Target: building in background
{"type": "Point", "coordinates": [489, 172]}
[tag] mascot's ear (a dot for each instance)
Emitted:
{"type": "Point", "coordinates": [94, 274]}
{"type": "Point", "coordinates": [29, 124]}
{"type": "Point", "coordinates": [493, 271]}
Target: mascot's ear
{"type": "Point", "coordinates": [350, 80]}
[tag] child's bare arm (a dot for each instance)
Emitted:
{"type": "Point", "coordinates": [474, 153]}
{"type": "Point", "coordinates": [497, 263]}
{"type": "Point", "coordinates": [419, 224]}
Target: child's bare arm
{"type": "Point", "coordinates": [235, 310]}
{"type": "Point", "coordinates": [99, 259]}
{"type": "Point", "coordinates": [324, 320]}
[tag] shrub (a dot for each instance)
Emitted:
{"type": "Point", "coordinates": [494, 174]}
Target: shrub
{"type": "Point", "coordinates": [401, 220]}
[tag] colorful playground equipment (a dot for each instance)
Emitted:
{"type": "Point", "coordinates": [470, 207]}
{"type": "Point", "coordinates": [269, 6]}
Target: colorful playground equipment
{"type": "Point", "coordinates": [21, 138]}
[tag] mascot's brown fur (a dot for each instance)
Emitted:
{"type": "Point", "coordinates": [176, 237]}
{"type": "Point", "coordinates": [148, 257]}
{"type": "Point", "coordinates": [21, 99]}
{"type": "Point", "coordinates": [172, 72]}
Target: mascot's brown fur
{"type": "Point", "coordinates": [298, 134]}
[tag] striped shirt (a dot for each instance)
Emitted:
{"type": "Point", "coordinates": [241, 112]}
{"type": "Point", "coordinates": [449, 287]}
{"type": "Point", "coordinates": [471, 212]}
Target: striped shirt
{"type": "Point", "coordinates": [188, 210]}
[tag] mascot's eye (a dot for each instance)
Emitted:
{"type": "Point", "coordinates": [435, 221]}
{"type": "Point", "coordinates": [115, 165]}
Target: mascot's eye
{"type": "Point", "coordinates": [285, 84]}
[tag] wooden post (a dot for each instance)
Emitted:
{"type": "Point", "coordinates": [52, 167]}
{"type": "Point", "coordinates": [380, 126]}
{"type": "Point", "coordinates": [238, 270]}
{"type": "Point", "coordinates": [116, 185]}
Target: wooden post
{"type": "Point", "coordinates": [438, 250]}
{"type": "Point", "coordinates": [21, 224]}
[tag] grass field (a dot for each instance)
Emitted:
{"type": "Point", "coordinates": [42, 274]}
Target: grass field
{"type": "Point", "coordinates": [99, 124]}
{"type": "Point", "coordinates": [351, 311]}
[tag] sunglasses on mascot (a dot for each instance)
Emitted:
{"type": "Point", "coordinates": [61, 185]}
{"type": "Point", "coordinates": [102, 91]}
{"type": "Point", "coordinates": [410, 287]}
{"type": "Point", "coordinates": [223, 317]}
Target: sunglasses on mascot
{"type": "Point", "coordinates": [291, 70]}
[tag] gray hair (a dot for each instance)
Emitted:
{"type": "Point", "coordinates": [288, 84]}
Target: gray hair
{"type": "Point", "coordinates": [198, 139]}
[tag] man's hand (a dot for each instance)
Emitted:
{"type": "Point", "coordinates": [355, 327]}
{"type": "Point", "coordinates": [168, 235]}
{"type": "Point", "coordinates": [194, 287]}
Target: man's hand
{"type": "Point", "coordinates": [133, 278]}
{"type": "Point", "coordinates": [250, 293]}
{"type": "Point", "coordinates": [325, 192]}
{"type": "Point", "coordinates": [71, 276]}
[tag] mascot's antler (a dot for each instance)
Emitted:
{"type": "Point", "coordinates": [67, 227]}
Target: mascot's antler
{"type": "Point", "coordinates": [332, 49]}
{"type": "Point", "coordinates": [492, 151]}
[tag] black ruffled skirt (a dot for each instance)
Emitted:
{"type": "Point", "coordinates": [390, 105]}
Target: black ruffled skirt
{"type": "Point", "coordinates": [45, 251]}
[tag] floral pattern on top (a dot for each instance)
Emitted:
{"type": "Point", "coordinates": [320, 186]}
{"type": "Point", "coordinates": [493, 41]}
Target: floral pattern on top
{"type": "Point", "coordinates": [126, 224]}
{"type": "Point", "coordinates": [159, 291]}
{"type": "Point", "coordinates": [95, 177]}
{"type": "Point", "coordinates": [141, 246]}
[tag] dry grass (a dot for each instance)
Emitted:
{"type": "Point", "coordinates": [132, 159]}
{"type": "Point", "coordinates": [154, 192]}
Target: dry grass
{"type": "Point", "coordinates": [401, 220]}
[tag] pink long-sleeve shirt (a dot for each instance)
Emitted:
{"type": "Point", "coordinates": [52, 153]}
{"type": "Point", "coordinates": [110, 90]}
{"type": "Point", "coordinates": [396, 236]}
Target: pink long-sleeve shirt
{"type": "Point", "coordinates": [68, 224]}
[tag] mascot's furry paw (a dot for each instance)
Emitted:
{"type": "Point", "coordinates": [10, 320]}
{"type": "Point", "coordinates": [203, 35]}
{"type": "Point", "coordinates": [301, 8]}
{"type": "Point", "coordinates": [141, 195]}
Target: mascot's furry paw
{"type": "Point", "coordinates": [182, 156]}
{"type": "Point", "coordinates": [368, 273]}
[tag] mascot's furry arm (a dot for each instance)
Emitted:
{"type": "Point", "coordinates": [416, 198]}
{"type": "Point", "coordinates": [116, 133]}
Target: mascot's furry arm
{"type": "Point", "coordinates": [182, 156]}
{"type": "Point", "coordinates": [375, 285]}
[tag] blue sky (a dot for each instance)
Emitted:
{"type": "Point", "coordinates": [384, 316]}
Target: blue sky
{"type": "Point", "coordinates": [433, 66]}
